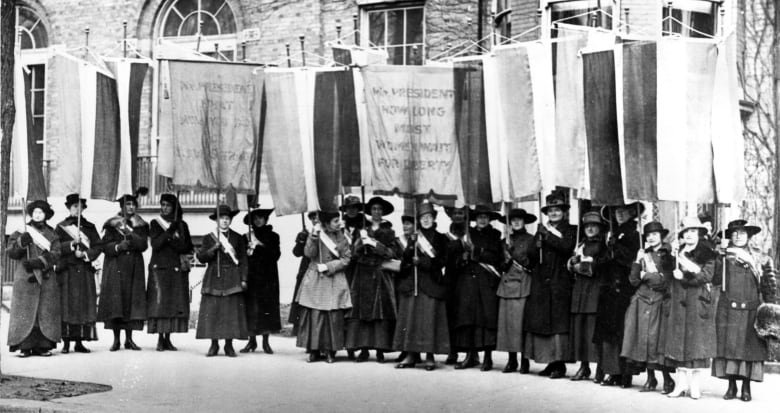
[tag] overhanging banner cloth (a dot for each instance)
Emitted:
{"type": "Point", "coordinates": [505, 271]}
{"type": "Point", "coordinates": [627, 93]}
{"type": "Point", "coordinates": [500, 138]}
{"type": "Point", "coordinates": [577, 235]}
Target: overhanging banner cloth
{"type": "Point", "coordinates": [411, 130]}
{"type": "Point", "coordinates": [64, 122]}
{"type": "Point", "coordinates": [728, 145]}
{"type": "Point", "coordinates": [215, 126]}
{"type": "Point", "coordinates": [640, 120]}
{"type": "Point", "coordinates": [471, 133]}
{"type": "Point", "coordinates": [20, 163]}
{"type": "Point", "coordinates": [601, 128]}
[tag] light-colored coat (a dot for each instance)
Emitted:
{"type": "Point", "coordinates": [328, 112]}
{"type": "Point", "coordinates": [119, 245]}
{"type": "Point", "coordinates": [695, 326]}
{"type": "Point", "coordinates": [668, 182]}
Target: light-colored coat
{"type": "Point", "coordinates": [326, 291]}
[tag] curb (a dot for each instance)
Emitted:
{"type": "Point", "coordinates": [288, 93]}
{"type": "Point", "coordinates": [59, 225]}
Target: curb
{"type": "Point", "coordinates": [20, 405]}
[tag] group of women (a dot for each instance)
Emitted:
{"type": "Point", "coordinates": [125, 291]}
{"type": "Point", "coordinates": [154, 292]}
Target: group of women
{"type": "Point", "coordinates": [599, 292]}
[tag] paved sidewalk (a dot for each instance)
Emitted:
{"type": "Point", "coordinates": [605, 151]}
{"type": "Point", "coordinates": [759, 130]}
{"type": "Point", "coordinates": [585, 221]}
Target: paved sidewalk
{"type": "Point", "coordinates": [186, 380]}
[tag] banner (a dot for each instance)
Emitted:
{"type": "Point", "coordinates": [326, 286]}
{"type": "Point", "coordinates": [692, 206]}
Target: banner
{"type": "Point", "coordinates": [471, 133]}
{"type": "Point", "coordinates": [411, 130]}
{"type": "Point", "coordinates": [215, 125]}
{"type": "Point", "coordinates": [20, 163]}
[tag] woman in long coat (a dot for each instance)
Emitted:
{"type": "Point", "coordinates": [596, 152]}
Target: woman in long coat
{"type": "Point", "coordinates": [300, 243]}
{"type": "Point", "coordinates": [34, 326]}
{"type": "Point", "coordinates": [547, 320]}
{"type": "Point", "coordinates": [587, 267]}
{"type": "Point", "coordinates": [167, 292]}
{"type": "Point", "coordinates": [749, 280]}
{"type": "Point", "coordinates": [80, 246]}
{"type": "Point", "coordinates": [371, 322]}
{"type": "Point", "coordinates": [222, 314]}
{"type": "Point", "coordinates": [651, 274]}
{"type": "Point", "coordinates": [476, 319]}
{"type": "Point", "coordinates": [615, 296]}
{"type": "Point", "coordinates": [520, 257]}
{"type": "Point", "coordinates": [323, 298]}
{"type": "Point", "coordinates": [689, 341]}
{"type": "Point", "coordinates": [422, 312]}
{"type": "Point", "coordinates": [122, 289]}
{"type": "Point", "coordinates": [458, 228]}
{"type": "Point", "coordinates": [262, 294]}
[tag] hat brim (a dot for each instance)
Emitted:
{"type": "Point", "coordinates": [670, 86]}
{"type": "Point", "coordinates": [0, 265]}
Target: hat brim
{"type": "Point", "coordinates": [702, 231]}
{"type": "Point", "coordinates": [43, 206]}
{"type": "Point", "coordinates": [230, 214]}
{"type": "Point", "coordinates": [387, 207]}
{"type": "Point", "coordinates": [343, 208]}
{"type": "Point", "coordinates": [664, 232]}
{"type": "Point", "coordinates": [750, 229]}
{"type": "Point", "coordinates": [494, 216]}
{"type": "Point", "coordinates": [563, 207]}
{"type": "Point", "coordinates": [527, 218]}
{"type": "Point", "coordinates": [258, 212]}
{"type": "Point", "coordinates": [83, 204]}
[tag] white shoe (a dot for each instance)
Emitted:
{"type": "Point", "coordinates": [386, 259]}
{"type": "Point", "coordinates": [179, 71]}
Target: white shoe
{"type": "Point", "coordinates": [680, 384]}
{"type": "Point", "coordinates": [695, 392]}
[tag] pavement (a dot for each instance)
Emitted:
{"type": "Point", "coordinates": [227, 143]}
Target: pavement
{"type": "Point", "coordinates": [151, 381]}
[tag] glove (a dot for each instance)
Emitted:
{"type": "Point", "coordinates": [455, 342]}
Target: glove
{"type": "Point", "coordinates": [123, 246]}
{"type": "Point", "coordinates": [26, 239]}
{"type": "Point", "coordinates": [322, 268]}
{"type": "Point", "coordinates": [301, 237]}
{"type": "Point", "coordinates": [678, 275]}
{"type": "Point", "coordinates": [173, 228]}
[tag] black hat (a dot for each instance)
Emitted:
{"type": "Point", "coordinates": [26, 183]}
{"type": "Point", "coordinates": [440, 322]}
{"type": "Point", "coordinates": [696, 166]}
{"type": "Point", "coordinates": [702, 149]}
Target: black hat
{"type": "Point", "coordinates": [327, 216]}
{"type": "Point", "coordinates": [351, 201]}
{"type": "Point", "coordinates": [555, 200]}
{"type": "Point", "coordinates": [407, 218]}
{"type": "Point", "coordinates": [261, 212]}
{"type": "Point", "coordinates": [221, 211]}
{"type": "Point", "coordinates": [72, 199]}
{"type": "Point", "coordinates": [632, 207]}
{"type": "Point", "coordinates": [692, 223]}
{"type": "Point", "coordinates": [169, 198]}
{"type": "Point", "coordinates": [741, 224]}
{"type": "Point", "coordinates": [483, 210]}
{"type": "Point", "coordinates": [387, 207]}
{"type": "Point", "coordinates": [450, 210]}
{"type": "Point", "coordinates": [522, 214]}
{"type": "Point", "coordinates": [312, 215]}
{"type": "Point", "coordinates": [127, 198]}
{"type": "Point", "coordinates": [655, 226]}
{"type": "Point", "coordinates": [426, 208]}
{"type": "Point", "coordinates": [592, 217]}
{"type": "Point", "coordinates": [43, 205]}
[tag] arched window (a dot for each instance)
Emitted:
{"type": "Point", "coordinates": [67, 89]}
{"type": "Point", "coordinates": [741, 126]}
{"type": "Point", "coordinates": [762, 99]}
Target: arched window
{"type": "Point", "coordinates": [200, 25]}
{"type": "Point", "coordinates": [31, 30]}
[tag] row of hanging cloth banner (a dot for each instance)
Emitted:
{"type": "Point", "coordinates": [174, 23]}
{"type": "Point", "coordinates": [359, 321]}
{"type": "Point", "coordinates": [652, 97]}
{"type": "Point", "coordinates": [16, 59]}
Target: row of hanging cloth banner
{"type": "Point", "coordinates": [92, 110]}
{"type": "Point", "coordinates": [616, 119]}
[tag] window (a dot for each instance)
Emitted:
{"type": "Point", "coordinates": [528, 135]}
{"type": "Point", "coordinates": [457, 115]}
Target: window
{"type": "Point", "coordinates": [207, 26]}
{"type": "Point", "coordinates": [594, 13]}
{"type": "Point", "coordinates": [32, 32]}
{"type": "Point", "coordinates": [690, 18]}
{"type": "Point", "coordinates": [400, 31]}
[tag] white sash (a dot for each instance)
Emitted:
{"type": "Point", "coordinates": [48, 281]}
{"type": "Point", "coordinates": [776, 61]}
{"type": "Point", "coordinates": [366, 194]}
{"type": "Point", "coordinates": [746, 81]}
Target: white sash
{"type": "Point", "coordinates": [451, 236]}
{"type": "Point", "coordinates": [689, 265]}
{"type": "Point", "coordinates": [745, 256]}
{"type": "Point", "coordinates": [223, 240]}
{"type": "Point", "coordinates": [39, 239]}
{"type": "Point", "coordinates": [76, 235]}
{"type": "Point", "coordinates": [329, 244]}
{"type": "Point", "coordinates": [491, 269]}
{"type": "Point", "coordinates": [348, 234]}
{"type": "Point", "coordinates": [425, 246]}
{"type": "Point", "coordinates": [165, 225]}
{"type": "Point", "coordinates": [402, 240]}
{"type": "Point", "coordinates": [553, 230]}
{"type": "Point", "coordinates": [647, 259]}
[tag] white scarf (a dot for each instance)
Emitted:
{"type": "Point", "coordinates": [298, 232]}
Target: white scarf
{"type": "Point", "coordinates": [223, 240]}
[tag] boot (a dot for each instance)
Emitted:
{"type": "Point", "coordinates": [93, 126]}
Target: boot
{"type": "Point", "coordinates": [651, 382]}
{"type": "Point", "coordinates": [599, 377]}
{"type": "Point", "coordinates": [471, 360]}
{"type": "Point", "coordinates": [380, 356]}
{"type": "Point", "coordinates": [401, 357]}
{"type": "Point", "coordinates": [547, 370]}
{"type": "Point", "coordinates": [330, 357]}
{"type": "Point", "coordinates": [668, 382]}
{"type": "Point", "coordinates": [430, 362]}
{"type": "Point", "coordinates": [452, 358]}
{"type": "Point", "coordinates": [487, 362]}
{"type": "Point", "coordinates": [746, 397]}
{"type": "Point", "coordinates": [160, 342]}
{"type": "Point", "coordinates": [407, 362]}
{"type": "Point", "coordinates": [229, 348]}
{"type": "Point", "coordinates": [65, 346]}
{"type": "Point", "coordinates": [314, 355]}
{"type": "Point", "coordinates": [511, 365]}
{"type": "Point", "coordinates": [168, 345]}
{"type": "Point", "coordinates": [583, 373]}
{"type": "Point", "coordinates": [731, 393]}
{"type": "Point", "coordinates": [115, 346]}
{"type": "Point", "coordinates": [250, 346]}
{"type": "Point", "coordinates": [611, 380]}
{"type": "Point", "coordinates": [525, 365]}
{"type": "Point", "coordinates": [363, 356]}
{"type": "Point", "coordinates": [350, 354]}
{"type": "Point", "coordinates": [695, 389]}
{"type": "Point", "coordinates": [681, 387]}
{"type": "Point", "coordinates": [266, 345]}
{"type": "Point", "coordinates": [560, 370]}
{"type": "Point", "coordinates": [214, 349]}
{"type": "Point", "coordinates": [129, 344]}
{"type": "Point", "coordinates": [626, 381]}
{"type": "Point", "coordinates": [79, 347]}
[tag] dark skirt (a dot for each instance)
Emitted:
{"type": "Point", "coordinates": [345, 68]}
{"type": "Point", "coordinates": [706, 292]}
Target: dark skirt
{"type": "Point", "coordinates": [35, 341]}
{"type": "Point", "coordinates": [422, 325]}
{"type": "Point", "coordinates": [581, 337]}
{"type": "Point", "coordinates": [375, 334]}
{"type": "Point", "coordinates": [474, 338]}
{"type": "Point", "coordinates": [546, 349]}
{"type": "Point", "coordinates": [168, 325]}
{"type": "Point", "coordinates": [81, 332]}
{"type": "Point", "coordinates": [751, 370]}
{"type": "Point", "coordinates": [119, 324]}
{"type": "Point", "coordinates": [690, 364]}
{"type": "Point", "coordinates": [222, 317]}
{"type": "Point", "coordinates": [320, 330]}
{"type": "Point", "coordinates": [510, 324]}
{"type": "Point", "coordinates": [609, 358]}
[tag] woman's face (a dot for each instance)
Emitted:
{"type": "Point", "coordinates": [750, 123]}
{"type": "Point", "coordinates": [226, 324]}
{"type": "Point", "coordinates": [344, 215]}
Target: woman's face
{"type": "Point", "coordinates": [458, 216]}
{"type": "Point", "coordinates": [591, 230]}
{"type": "Point", "coordinates": [483, 220]}
{"type": "Point", "coordinates": [224, 222]}
{"type": "Point", "coordinates": [408, 227]}
{"type": "Point", "coordinates": [517, 224]}
{"type": "Point", "coordinates": [376, 212]}
{"type": "Point", "coordinates": [426, 221]}
{"type": "Point", "coordinates": [554, 214]}
{"type": "Point", "coordinates": [130, 208]}
{"type": "Point", "coordinates": [691, 237]}
{"type": "Point", "coordinates": [622, 215]}
{"type": "Point", "coordinates": [334, 224]}
{"type": "Point", "coordinates": [75, 209]}
{"type": "Point", "coordinates": [653, 239]}
{"type": "Point", "coordinates": [166, 208]}
{"type": "Point", "coordinates": [739, 238]}
{"type": "Point", "coordinates": [258, 221]}
{"type": "Point", "coordinates": [38, 215]}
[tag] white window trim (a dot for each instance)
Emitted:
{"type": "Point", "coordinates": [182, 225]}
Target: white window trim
{"type": "Point", "coordinates": [365, 34]}
{"type": "Point", "coordinates": [547, 23]}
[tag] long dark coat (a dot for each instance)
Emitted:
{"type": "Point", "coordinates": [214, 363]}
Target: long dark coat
{"type": "Point", "coordinates": [616, 290]}
{"type": "Point", "coordinates": [516, 281]}
{"type": "Point", "coordinates": [77, 276]}
{"type": "Point", "coordinates": [690, 333]}
{"type": "Point", "coordinates": [737, 338]}
{"type": "Point", "coordinates": [587, 283]}
{"type": "Point", "coordinates": [262, 294]}
{"type": "Point", "coordinates": [548, 306]}
{"type": "Point", "coordinates": [300, 244]}
{"type": "Point", "coordinates": [122, 290]}
{"type": "Point", "coordinates": [34, 303]}
{"type": "Point", "coordinates": [168, 289]}
{"type": "Point", "coordinates": [372, 288]}
{"type": "Point", "coordinates": [227, 280]}
{"type": "Point", "coordinates": [430, 279]}
{"type": "Point", "coordinates": [474, 283]}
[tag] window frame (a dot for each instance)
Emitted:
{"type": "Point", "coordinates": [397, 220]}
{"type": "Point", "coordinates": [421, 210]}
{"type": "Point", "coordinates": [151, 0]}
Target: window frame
{"type": "Point", "coordinates": [365, 35]}
{"type": "Point", "coordinates": [37, 57]}
{"type": "Point", "coordinates": [715, 7]}
{"type": "Point", "coordinates": [547, 14]}
{"type": "Point", "coordinates": [205, 44]}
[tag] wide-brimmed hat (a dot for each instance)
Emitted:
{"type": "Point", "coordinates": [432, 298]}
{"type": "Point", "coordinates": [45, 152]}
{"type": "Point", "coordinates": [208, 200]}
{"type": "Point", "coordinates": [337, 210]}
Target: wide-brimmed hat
{"type": "Point", "coordinates": [592, 217]}
{"type": "Point", "coordinates": [483, 210]}
{"type": "Point", "coordinates": [631, 207]}
{"type": "Point", "coordinates": [43, 205]}
{"type": "Point", "coordinates": [169, 198]}
{"type": "Point", "coordinates": [426, 208]}
{"type": "Point", "coordinates": [351, 201]}
{"type": "Point", "coordinates": [555, 200]}
{"type": "Point", "coordinates": [741, 224]}
{"type": "Point", "coordinates": [449, 210]}
{"type": "Point", "coordinates": [259, 212]}
{"type": "Point", "coordinates": [223, 210]}
{"type": "Point", "coordinates": [519, 213]}
{"type": "Point", "coordinates": [74, 198]}
{"type": "Point", "coordinates": [327, 216]}
{"type": "Point", "coordinates": [126, 198]}
{"type": "Point", "coordinates": [692, 223]}
{"type": "Point", "coordinates": [387, 207]}
{"type": "Point", "coordinates": [407, 218]}
{"type": "Point", "coordinates": [655, 226]}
